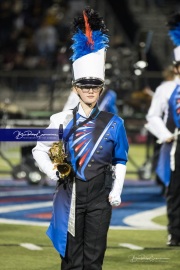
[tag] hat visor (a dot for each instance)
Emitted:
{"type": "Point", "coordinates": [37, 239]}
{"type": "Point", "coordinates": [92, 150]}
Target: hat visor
{"type": "Point", "coordinates": [88, 82]}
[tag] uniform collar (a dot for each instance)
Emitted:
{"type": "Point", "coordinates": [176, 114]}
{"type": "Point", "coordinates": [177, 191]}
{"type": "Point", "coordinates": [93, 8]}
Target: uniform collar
{"type": "Point", "coordinates": [177, 79]}
{"type": "Point", "coordinates": [94, 112]}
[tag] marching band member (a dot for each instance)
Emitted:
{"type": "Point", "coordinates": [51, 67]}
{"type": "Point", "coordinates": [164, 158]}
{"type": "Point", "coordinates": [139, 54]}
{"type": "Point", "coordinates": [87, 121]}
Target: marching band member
{"type": "Point", "coordinates": [95, 141]}
{"type": "Point", "coordinates": [164, 122]}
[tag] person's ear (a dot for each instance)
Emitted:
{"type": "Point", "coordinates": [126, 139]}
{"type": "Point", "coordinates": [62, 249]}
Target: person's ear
{"type": "Point", "coordinates": [178, 69]}
{"type": "Point", "coordinates": [175, 70]}
{"type": "Point", "coordinates": [100, 93]}
{"type": "Point", "coordinates": [74, 89]}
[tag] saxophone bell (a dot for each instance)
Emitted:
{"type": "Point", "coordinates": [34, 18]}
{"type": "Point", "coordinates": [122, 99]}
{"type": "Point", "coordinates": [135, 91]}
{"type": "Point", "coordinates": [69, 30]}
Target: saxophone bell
{"type": "Point", "coordinates": [58, 156]}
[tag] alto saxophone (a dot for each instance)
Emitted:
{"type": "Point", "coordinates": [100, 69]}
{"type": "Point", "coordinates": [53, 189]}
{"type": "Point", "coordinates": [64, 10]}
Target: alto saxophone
{"type": "Point", "coordinates": [58, 156]}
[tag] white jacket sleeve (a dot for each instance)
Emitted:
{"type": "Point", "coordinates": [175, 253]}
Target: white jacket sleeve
{"type": "Point", "coordinates": [159, 107]}
{"type": "Point", "coordinates": [40, 154]}
{"type": "Point", "coordinates": [119, 175]}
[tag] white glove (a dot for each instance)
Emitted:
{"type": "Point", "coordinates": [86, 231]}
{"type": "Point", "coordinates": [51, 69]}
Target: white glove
{"type": "Point", "coordinates": [51, 173]}
{"type": "Point", "coordinates": [115, 194]}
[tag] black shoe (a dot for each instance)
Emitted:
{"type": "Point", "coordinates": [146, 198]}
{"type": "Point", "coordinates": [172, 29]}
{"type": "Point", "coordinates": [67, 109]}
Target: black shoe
{"type": "Point", "coordinates": [173, 241]}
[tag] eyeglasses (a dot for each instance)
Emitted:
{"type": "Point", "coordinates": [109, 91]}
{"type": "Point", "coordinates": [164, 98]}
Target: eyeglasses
{"type": "Point", "coordinates": [95, 89]}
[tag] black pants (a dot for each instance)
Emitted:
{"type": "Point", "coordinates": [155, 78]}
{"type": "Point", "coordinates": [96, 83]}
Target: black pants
{"type": "Point", "coordinates": [173, 198]}
{"type": "Point", "coordinates": [86, 250]}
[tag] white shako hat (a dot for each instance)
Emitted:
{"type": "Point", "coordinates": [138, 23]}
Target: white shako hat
{"type": "Point", "coordinates": [89, 49]}
{"type": "Point", "coordinates": [174, 33]}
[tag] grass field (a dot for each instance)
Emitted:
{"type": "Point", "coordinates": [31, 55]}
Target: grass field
{"type": "Point", "coordinates": [162, 220]}
{"type": "Point", "coordinates": [155, 254]}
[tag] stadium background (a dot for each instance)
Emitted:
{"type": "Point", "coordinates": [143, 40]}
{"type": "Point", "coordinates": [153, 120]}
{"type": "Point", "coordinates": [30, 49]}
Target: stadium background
{"type": "Point", "coordinates": [35, 81]}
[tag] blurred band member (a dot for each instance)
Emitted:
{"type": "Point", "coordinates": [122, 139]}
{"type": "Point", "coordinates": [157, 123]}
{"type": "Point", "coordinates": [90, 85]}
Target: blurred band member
{"type": "Point", "coordinates": [164, 122]}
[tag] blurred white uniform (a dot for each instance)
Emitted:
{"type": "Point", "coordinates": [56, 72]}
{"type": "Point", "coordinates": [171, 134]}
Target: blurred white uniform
{"type": "Point", "coordinates": [158, 112]}
{"type": "Point", "coordinates": [72, 101]}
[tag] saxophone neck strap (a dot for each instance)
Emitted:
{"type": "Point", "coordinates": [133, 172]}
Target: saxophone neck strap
{"type": "Point", "coordinates": [60, 132]}
{"type": "Point", "coordinates": [75, 126]}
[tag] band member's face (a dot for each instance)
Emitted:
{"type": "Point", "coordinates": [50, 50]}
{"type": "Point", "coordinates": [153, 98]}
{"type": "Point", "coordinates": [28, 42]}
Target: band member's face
{"type": "Point", "coordinates": [89, 95]}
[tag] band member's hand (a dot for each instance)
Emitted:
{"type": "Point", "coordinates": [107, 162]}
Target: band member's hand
{"type": "Point", "coordinates": [54, 177]}
{"type": "Point", "coordinates": [169, 139]}
{"type": "Point", "coordinates": [119, 175]}
{"type": "Point", "coordinates": [115, 199]}
{"type": "Point", "coordinates": [51, 173]}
